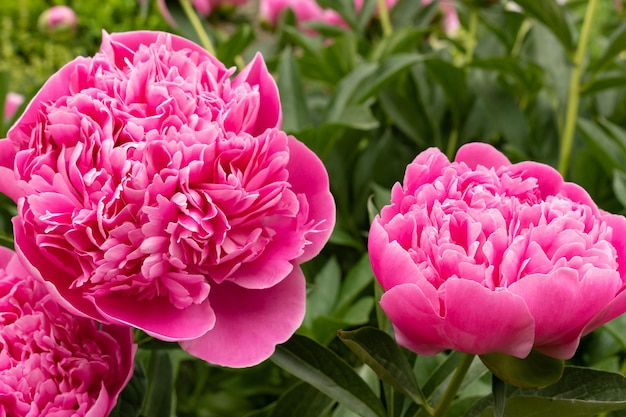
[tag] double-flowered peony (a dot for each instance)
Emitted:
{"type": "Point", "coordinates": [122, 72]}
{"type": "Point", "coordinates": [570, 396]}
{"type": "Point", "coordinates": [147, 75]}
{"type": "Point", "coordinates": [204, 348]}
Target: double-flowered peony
{"type": "Point", "coordinates": [484, 256]}
{"type": "Point", "coordinates": [156, 190]}
{"type": "Point", "coordinates": [53, 363]}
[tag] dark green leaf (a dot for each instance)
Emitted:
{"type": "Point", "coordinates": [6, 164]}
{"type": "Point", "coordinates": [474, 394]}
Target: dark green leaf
{"type": "Point", "coordinates": [535, 371]}
{"type": "Point", "coordinates": [130, 399]}
{"type": "Point", "coordinates": [499, 395]}
{"type": "Point", "coordinates": [292, 97]}
{"type": "Point", "coordinates": [158, 399]}
{"type": "Point", "coordinates": [619, 186]}
{"type": "Point", "coordinates": [381, 353]}
{"type": "Point", "coordinates": [400, 41]}
{"type": "Point", "coordinates": [302, 400]}
{"type": "Point", "coordinates": [453, 82]}
{"type": "Point", "coordinates": [552, 15]}
{"type": "Point", "coordinates": [581, 392]}
{"type": "Point", "coordinates": [324, 370]}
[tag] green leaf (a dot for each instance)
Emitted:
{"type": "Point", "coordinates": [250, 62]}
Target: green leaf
{"type": "Point", "coordinates": [235, 44]}
{"type": "Point", "coordinates": [581, 392]}
{"type": "Point", "coordinates": [607, 150]}
{"type": "Point", "coordinates": [401, 40]}
{"type": "Point", "coordinates": [498, 388]}
{"type": "Point", "coordinates": [322, 298]}
{"type": "Point", "coordinates": [552, 15]}
{"type": "Point", "coordinates": [158, 399]}
{"type": "Point", "coordinates": [302, 400]}
{"type": "Point", "coordinates": [347, 88]}
{"type": "Point", "coordinates": [293, 100]}
{"type": "Point", "coordinates": [619, 186]}
{"type": "Point", "coordinates": [381, 353]}
{"type": "Point", "coordinates": [604, 83]}
{"type": "Point", "coordinates": [324, 370]}
{"type": "Point", "coordinates": [535, 371]}
{"type": "Point", "coordinates": [130, 399]}
{"type": "Point", "coordinates": [386, 71]}
{"type": "Point", "coordinates": [616, 45]}
{"type": "Point", "coordinates": [453, 82]}
{"type": "Point", "coordinates": [184, 25]}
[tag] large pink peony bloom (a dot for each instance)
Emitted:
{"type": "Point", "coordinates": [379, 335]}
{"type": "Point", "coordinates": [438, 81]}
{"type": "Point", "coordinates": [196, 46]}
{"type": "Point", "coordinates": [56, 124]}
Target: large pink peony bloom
{"type": "Point", "coordinates": [483, 256]}
{"type": "Point", "coordinates": [155, 191]}
{"type": "Point", "coordinates": [52, 362]}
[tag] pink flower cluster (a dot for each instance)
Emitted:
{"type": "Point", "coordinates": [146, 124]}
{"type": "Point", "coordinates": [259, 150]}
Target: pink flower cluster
{"type": "Point", "coordinates": [156, 190]}
{"type": "Point", "coordinates": [306, 11]}
{"type": "Point", "coordinates": [311, 11]}
{"type": "Point", "coordinates": [483, 256]}
{"type": "Point", "coordinates": [52, 362]}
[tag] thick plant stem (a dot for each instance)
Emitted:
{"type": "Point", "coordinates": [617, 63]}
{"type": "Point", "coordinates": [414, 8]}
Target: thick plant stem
{"type": "Point", "coordinates": [453, 387]}
{"type": "Point", "coordinates": [197, 26]}
{"type": "Point", "coordinates": [470, 42]}
{"type": "Point", "coordinates": [383, 15]}
{"type": "Point", "coordinates": [571, 112]}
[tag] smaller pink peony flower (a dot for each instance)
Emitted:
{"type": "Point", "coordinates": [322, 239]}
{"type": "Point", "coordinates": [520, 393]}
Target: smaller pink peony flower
{"type": "Point", "coordinates": [12, 102]}
{"type": "Point", "coordinates": [156, 190]}
{"type": "Point", "coordinates": [484, 256]}
{"type": "Point", "coordinates": [58, 21]}
{"type": "Point", "coordinates": [52, 362]}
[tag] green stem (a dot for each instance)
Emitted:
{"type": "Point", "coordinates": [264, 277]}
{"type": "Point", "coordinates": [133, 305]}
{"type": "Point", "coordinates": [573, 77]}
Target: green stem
{"type": "Point", "coordinates": [383, 15]}
{"type": "Point", "coordinates": [453, 387]}
{"type": "Point", "coordinates": [571, 112]}
{"type": "Point", "coordinates": [197, 26]}
{"type": "Point", "coordinates": [470, 42]}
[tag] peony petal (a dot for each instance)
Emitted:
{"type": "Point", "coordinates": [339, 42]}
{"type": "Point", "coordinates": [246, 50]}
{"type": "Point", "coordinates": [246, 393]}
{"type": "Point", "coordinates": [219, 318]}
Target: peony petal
{"type": "Point", "coordinates": [159, 318]}
{"type": "Point", "coordinates": [491, 322]}
{"type": "Point", "coordinates": [250, 323]}
{"type": "Point", "coordinates": [308, 176]}
{"type": "Point", "coordinates": [41, 268]}
{"type": "Point", "coordinates": [8, 180]}
{"type": "Point", "coordinates": [478, 153]}
{"type": "Point", "coordinates": [391, 263]}
{"type": "Point", "coordinates": [256, 74]}
{"type": "Point", "coordinates": [549, 180]}
{"type": "Point", "coordinates": [562, 305]}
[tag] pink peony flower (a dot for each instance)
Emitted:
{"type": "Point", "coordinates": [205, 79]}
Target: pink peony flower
{"type": "Point", "coordinates": [52, 362]}
{"type": "Point", "coordinates": [58, 21]}
{"type": "Point", "coordinates": [155, 191]}
{"type": "Point", "coordinates": [484, 256]}
{"type": "Point", "coordinates": [305, 11]}
{"type": "Point", "coordinates": [12, 102]}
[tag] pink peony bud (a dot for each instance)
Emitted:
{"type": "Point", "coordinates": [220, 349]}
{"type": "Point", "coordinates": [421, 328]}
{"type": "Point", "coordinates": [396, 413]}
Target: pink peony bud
{"type": "Point", "coordinates": [58, 21]}
{"type": "Point", "coordinates": [12, 102]}
{"type": "Point", "coordinates": [52, 362]}
{"type": "Point", "coordinates": [156, 190]}
{"type": "Point", "coordinates": [484, 256]}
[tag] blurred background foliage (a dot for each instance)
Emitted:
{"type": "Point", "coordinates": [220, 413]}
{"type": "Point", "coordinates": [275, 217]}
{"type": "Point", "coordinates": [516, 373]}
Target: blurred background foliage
{"type": "Point", "coordinates": [367, 101]}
